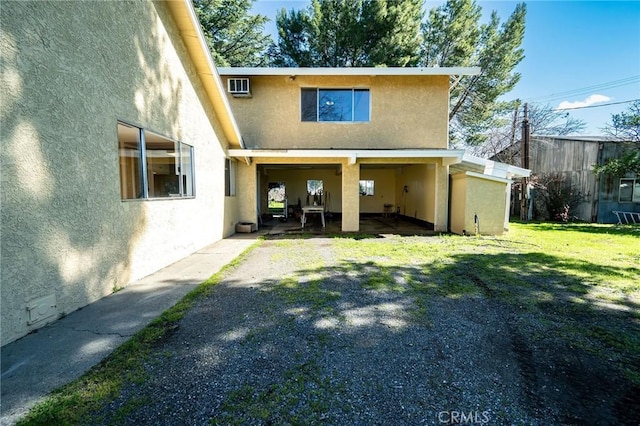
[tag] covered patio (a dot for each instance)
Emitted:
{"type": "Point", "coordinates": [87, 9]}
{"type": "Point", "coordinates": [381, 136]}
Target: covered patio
{"type": "Point", "coordinates": [370, 225]}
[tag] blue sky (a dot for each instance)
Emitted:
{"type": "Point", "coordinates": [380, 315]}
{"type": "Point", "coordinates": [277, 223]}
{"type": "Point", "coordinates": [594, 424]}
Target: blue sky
{"type": "Point", "coordinates": [577, 53]}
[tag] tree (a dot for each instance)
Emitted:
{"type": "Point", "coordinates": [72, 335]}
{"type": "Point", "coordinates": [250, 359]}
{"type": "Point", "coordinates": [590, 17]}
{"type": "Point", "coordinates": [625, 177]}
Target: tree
{"type": "Point", "coordinates": [453, 36]}
{"type": "Point", "coordinates": [349, 33]}
{"type": "Point", "coordinates": [624, 127]}
{"type": "Point", "coordinates": [627, 163]}
{"type": "Point", "coordinates": [543, 120]}
{"type": "Point", "coordinates": [234, 36]}
{"type": "Point", "coordinates": [555, 197]}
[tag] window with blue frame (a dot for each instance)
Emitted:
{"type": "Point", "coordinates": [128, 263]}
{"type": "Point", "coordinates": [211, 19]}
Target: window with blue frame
{"type": "Point", "coordinates": [335, 105]}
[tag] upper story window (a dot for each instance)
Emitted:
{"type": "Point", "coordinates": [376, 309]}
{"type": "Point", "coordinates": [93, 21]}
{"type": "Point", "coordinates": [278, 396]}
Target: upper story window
{"type": "Point", "coordinates": [153, 166]}
{"type": "Point", "coordinates": [335, 105]}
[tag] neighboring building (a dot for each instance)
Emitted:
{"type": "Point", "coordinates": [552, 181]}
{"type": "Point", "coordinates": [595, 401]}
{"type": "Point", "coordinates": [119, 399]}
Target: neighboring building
{"type": "Point", "coordinates": [88, 90]}
{"type": "Point", "coordinates": [121, 154]}
{"type": "Point", "coordinates": [574, 157]}
{"type": "Point", "coordinates": [372, 139]}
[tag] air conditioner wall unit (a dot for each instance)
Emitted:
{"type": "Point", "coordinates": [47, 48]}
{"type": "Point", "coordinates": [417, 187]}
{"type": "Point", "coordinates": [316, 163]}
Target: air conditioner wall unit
{"type": "Point", "coordinates": [239, 87]}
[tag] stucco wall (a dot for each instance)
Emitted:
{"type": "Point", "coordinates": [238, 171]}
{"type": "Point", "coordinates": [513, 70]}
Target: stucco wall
{"type": "Point", "coordinates": [471, 196]}
{"type": "Point", "coordinates": [459, 204]}
{"type": "Point", "coordinates": [406, 112]}
{"type": "Point", "coordinates": [70, 71]}
{"type": "Point", "coordinates": [418, 201]}
{"type": "Point", "coordinates": [384, 190]}
{"type": "Point", "coordinates": [486, 199]}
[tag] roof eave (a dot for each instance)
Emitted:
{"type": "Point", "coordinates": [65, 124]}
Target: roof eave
{"type": "Point", "coordinates": [497, 169]}
{"type": "Point", "coordinates": [188, 25]}
{"type": "Point", "coordinates": [351, 71]}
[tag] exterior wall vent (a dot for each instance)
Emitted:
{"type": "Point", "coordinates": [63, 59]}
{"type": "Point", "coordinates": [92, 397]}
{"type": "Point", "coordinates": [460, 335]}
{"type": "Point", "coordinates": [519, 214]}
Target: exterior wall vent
{"type": "Point", "coordinates": [42, 310]}
{"type": "Point", "coordinates": [239, 87]}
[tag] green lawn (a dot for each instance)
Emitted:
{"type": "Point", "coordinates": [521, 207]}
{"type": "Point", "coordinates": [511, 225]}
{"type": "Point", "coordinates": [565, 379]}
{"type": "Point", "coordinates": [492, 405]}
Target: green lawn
{"type": "Point", "coordinates": [579, 282]}
{"type": "Point", "coordinates": [278, 205]}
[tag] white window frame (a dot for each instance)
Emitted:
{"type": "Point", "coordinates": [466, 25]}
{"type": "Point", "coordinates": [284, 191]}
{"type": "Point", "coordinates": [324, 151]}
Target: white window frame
{"type": "Point", "coordinates": [233, 83]}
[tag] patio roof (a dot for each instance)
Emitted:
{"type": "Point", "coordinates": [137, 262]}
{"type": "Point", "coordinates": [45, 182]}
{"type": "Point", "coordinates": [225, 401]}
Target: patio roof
{"type": "Point", "coordinates": [453, 157]}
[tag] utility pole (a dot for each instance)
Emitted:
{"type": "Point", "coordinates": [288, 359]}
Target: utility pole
{"type": "Point", "coordinates": [525, 163]}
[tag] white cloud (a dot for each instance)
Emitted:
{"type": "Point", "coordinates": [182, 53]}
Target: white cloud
{"type": "Point", "coordinates": [591, 100]}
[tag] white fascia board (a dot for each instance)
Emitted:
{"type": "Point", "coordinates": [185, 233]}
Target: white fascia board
{"type": "Point", "coordinates": [366, 71]}
{"type": "Point", "coordinates": [352, 154]}
{"type": "Point", "coordinates": [490, 165]}
{"type": "Point", "coordinates": [487, 177]}
{"type": "Point", "coordinates": [212, 67]}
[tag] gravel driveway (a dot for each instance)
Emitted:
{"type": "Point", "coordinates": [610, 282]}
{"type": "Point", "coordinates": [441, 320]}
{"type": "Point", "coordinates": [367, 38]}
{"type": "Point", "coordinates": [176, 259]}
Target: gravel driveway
{"type": "Point", "coordinates": [293, 335]}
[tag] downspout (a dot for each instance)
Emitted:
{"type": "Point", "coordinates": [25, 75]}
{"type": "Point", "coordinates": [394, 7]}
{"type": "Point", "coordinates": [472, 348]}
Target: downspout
{"type": "Point", "coordinates": [449, 204]}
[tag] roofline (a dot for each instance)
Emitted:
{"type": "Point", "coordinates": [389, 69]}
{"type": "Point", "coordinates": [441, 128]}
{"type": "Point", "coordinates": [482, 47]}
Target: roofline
{"type": "Point", "coordinates": [580, 138]}
{"type": "Point", "coordinates": [486, 177]}
{"type": "Point", "coordinates": [357, 71]}
{"type": "Point", "coordinates": [453, 156]}
{"type": "Point", "coordinates": [496, 168]}
{"type": "Point", "coordinates": [347, 153]}
{"type": "Point", "coordinates": [491, 168]}
{"type": "Point", "coordinates": [188, 25]}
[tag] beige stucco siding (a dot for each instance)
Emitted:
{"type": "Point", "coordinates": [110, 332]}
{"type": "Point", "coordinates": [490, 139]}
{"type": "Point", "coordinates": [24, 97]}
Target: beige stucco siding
{"type": "Point", "coordinates": [406, 112]}
{"type": "Point", "coordinates": [459, 204]}
{"type": "Point", "coordinates": [70, 71]}
{"type": "Point", "coordinates": [384, 190]}
{"type": "Point", "coordinates": [418, 200]}
{"type": "Point", "coordinates": [473, 196]}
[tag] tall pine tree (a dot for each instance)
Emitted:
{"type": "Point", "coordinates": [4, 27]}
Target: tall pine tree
{"type": "Point", "coordinates": [453, 36]}
{"type": "Point", "coordinates": [349, 33]}
{"type": "Point", "coordinates": [234, 36]}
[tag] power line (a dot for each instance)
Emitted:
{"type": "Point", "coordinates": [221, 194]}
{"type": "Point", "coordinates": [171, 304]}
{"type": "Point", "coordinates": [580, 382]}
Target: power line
{"type": "Point", "coordinates": [607, 85]}
{"type": "Point", "coordinates": [596, 106]}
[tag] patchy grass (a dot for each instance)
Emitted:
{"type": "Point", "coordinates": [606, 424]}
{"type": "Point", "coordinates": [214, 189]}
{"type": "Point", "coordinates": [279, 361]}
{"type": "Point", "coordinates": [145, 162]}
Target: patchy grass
{"type": "Point", "coordinates": [298, 398]}
{"type": "Point", "coordinates": [72, 403]}
{"type": "Point", "coordinates": [576, 284]}
{"type": "Point", "coordinates": [580, 282]}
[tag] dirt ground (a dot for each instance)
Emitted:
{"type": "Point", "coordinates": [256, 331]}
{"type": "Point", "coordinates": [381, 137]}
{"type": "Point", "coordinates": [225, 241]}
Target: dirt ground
{"type": "Point", "coordinates": [294, 335]}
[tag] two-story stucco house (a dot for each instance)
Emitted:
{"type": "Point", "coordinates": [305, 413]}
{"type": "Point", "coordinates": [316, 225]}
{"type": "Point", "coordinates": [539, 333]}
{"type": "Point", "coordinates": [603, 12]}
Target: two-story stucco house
{"type": "Point", "coordinates": [372, 139]}
{"type": "Point", "coordinates": [115, 130]}
{"type": "Point", "coordinates": [124, 150]}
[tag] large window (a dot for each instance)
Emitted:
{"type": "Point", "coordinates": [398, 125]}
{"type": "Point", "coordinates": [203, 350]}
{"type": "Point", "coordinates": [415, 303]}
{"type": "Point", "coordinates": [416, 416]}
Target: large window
{"type": "Point", "coordinates": [334, 105]}
{"type": "Point", "coordinates": [153, 166]}
{"type": "Point", "coordinates": [629, 191]}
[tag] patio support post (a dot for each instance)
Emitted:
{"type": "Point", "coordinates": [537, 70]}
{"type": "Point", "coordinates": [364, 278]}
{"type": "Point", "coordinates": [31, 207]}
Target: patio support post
{"type": "Point", "coordinates": [247, 195]}
{"type": "Point", "coordinates": [442, 197]}
{"type": "Point", "coordinates": [350, 197]}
